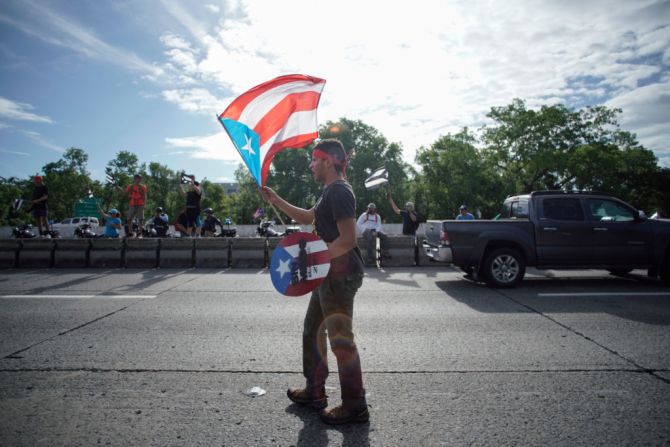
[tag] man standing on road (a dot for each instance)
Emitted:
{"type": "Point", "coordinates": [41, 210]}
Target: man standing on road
{"type": "Point", "coordinates": [331, 305]}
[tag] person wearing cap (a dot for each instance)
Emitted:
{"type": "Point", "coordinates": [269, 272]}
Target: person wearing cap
{"type": "Point", "coordinates": [112, 222]}
{"type": "Point", "coordinates": [138, 197]}
{"type": "Point", "coordinates": [331, 307]}
{"type": "Point", "coordinates": [410, 218]}
{"type": "Point", "coordinates": [39, 205]}
{"type": "Point", "coordinates": [159, 222]}
{"type": "Point", "coordinates": [463, 213]}
{"type": "Point", "coordinates": [369, 224]}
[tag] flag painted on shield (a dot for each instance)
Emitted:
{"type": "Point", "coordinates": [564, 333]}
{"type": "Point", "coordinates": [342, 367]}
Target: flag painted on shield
{"type": "Point", "coordinates": [300, 263]}
{"type": "Point", "coordinates": [271, 117]}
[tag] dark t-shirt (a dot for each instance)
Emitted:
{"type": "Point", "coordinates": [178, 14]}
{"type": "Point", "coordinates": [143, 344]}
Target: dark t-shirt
{"type": "Point", "coordinates": [38, 192]}
{"type": "Point", "coordinates": [337, 202]}
{"type": "Point", "coordinates": [408, 225]}
{"type": "Point", "coordinates": [193, 200]}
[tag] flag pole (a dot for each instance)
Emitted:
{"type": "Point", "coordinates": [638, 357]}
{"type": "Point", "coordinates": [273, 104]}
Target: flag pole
{"type": "Point", "coordinates": [277, 213]}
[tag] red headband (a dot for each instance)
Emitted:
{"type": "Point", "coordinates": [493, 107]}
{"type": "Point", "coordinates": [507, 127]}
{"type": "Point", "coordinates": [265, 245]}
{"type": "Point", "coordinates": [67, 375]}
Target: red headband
{"type": "Point", "coordinates": [318, 153]}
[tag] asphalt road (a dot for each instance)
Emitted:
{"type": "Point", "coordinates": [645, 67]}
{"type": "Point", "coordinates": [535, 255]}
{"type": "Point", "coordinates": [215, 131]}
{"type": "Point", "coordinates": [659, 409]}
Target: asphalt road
{"type": "Point", "coordinates": [165, 357]}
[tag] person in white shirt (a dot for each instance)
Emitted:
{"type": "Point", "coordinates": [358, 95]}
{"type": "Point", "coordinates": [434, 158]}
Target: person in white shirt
{"type": "Point", "coordinates": [369, 224]}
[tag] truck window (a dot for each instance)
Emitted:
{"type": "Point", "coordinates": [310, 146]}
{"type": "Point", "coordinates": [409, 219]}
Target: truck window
{"type": "Point", "coordinates": [519, 209]}
{"type": "Point", "coordinates": [604, 210]}
{"type": "Point", "coordinates": [562, 209]}
{"type": "Point", "coordinates": [514, 209]}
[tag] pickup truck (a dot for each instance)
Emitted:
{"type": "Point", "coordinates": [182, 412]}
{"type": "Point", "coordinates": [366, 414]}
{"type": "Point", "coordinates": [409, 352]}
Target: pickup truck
{"type": "Point", "coordinates": [553, 229]}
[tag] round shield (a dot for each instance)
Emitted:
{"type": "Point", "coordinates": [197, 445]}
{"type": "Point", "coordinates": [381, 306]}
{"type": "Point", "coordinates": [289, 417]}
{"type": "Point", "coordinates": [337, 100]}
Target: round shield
{"type": "Point", "coordinates": [299, 264]}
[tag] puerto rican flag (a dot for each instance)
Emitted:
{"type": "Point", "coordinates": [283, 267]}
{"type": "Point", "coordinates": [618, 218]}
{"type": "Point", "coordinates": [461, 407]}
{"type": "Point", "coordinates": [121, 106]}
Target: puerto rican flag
{"type": "Point", "coordinates": [271, 117]}
{"type": "Point", "coordinates": [300, 263]}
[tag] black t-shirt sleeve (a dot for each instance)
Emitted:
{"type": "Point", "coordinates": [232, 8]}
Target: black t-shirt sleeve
{"type": "Point", "coordinates": [343, 203]}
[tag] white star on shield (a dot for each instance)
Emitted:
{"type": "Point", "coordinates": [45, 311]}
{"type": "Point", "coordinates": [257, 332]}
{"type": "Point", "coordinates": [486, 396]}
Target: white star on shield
{"type": "Point", "coordinates": [283, 267]}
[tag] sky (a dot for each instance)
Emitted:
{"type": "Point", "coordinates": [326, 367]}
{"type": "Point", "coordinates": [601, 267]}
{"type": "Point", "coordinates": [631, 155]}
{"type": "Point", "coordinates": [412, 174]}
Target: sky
{"type": "Point", "coordinates": [151, 76]}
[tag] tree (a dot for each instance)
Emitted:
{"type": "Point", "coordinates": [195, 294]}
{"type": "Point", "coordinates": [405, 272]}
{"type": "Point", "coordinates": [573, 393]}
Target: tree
{"type": "Point", "coordinates": [121, 169]}
{"type": "Point", "coordinates": [10, 189]}
{"type": "Point", "coordinates": [247, 200]}
{"type": "Point", "coordinates": [162, 183]}
{"type": "Point", "coordinates": [291, 177]}
{"type": "Point", "coordinates": [369, 150]}
{"type": "Point", "coordinates": [556, 148]}
{"type": "Point", "coordinates": [455, 172]}
{"type": "Point", "coordinates": [68, 181]}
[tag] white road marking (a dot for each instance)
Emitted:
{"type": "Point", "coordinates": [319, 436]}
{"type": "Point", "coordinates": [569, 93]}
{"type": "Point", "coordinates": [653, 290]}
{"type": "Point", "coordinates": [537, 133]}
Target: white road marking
{"type": "Point", "coordinates": [607, 294]}
{"type": "Point", "coordinates": [80, 296]}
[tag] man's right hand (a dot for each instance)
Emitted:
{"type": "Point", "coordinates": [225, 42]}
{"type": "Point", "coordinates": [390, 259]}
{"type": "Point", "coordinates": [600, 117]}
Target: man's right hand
{"type": "Point", "coordinates": [269, 195]}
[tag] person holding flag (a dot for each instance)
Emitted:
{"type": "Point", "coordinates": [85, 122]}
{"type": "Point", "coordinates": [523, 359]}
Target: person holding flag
{"type": "Point", "coordinates": [39, 205]}
{"type": "Point", "coordinates": [330, 309]}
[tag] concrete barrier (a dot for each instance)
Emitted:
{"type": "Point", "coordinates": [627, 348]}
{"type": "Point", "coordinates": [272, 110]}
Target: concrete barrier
{"type": "Point", "coordinates": [363, 248]}
{"type": "Point", "coordinates": [248, 252]}
{"type": "Point", "coordinates": [9, 250]}
{"type": "Point", "coordinates": [106, 253]}
{"type": "Point", "coordinates": [141, 253]}
{"type": "Point", "coordinates": [177, 253]}
{"type": "Point", "coordinates": [72, 253]}
{"type": "Point", "coordinates": [402, 251]}
{"type": "Point", "coordinates": [212, 252]}
{"type": "Point", "coordinates": [36, 253]}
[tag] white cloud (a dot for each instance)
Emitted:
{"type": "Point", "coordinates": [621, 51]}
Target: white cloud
{"type": "Point", "coordinates": [211, 147]}
{"type": "Point", "coordinates": [40, 140]}
{"type": "Point", "coordinates": [59, 30]}
{"type": "Point", "coordinates": [197, 100]}
{"type": "Point", "coordinates": [20, 111]}
{"type": "Point", "coordinates": [213, 8]}
{"type": "Point", "coordinates": [416, 73]}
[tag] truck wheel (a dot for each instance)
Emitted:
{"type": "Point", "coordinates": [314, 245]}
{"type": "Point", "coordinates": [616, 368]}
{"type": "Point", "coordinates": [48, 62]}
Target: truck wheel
{"type": "Point", "coordinates": [620, 272]}
{"type": "Point", "coordinates": [504, 267]}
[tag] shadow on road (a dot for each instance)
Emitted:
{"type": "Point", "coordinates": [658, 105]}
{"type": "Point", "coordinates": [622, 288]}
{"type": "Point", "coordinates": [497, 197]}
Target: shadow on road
{"type": "Point", "coordinates": [314, 433]}
{"type": "Point", "coordinates": [634, 297]}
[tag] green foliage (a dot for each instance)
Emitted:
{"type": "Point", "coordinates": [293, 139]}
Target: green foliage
{"type": "Point", "coordinates": [556, 148]}
{"type": "Point", "coordinates": [68, 181]}
{"type": "Point", "coordinates": [455, 172]}
{"type": "Point", "coordinates": [368, 150]}
{"type": "Point", "coordinates": [247, 200]}
{"type": "Point", "coordinates": [10, 189]}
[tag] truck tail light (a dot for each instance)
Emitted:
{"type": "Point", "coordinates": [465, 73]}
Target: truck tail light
{"type": "Point", "coordinates": [444, 236]}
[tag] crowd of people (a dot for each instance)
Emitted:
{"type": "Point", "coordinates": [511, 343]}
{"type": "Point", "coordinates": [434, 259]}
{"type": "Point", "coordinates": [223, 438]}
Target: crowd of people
{"type": "Point", "coordinates": [188, 221]}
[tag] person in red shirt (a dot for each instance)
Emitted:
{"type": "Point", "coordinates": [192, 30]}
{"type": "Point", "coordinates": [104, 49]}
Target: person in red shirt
{"type": "Point", "coordinates": [138, 198]}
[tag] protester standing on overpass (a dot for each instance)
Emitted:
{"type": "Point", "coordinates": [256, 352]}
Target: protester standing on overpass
{"type": "Point", "coordinates": [39, 205]}
{"type": "Point", "coordinates": [331, 305]}
{"type": "Point", "coordinates": [410, 218]}
{"type": "Point", "coordinates": [193, 197]}
{"type": "Point", "coordinates": [138, 197]}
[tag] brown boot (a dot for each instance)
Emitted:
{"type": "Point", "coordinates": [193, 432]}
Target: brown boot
{"type": "Point", "coordinates": [308, 398]}
{"type": "Point", "coordinates": [340, 415]}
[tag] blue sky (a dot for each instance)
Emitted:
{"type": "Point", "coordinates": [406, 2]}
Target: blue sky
{"type": "Point", "coordinates": [149, 76]}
